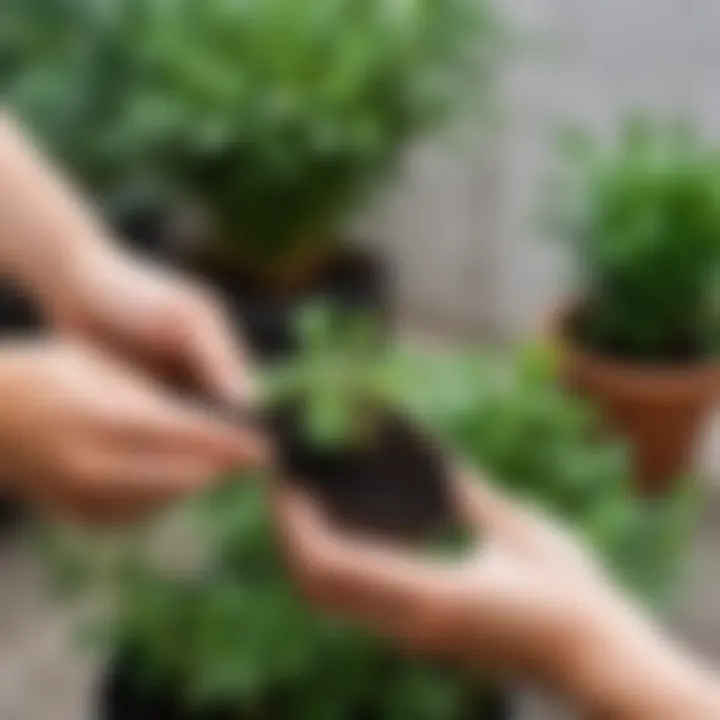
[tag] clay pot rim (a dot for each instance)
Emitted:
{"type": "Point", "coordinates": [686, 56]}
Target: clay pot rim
{"type": "Point", "coordinates": [661, 381]}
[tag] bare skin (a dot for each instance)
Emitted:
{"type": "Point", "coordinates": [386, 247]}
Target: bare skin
{"type": "Point", "coordinates": [528, 602]}
{"type": "Point", "coordinates": [88, 436]}
{"type": "Point", "coordinates": [94, 436]}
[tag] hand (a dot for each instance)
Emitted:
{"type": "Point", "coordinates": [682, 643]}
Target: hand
{"type": "Point", "coordinates": [86, 436]}
{"type": "Point", "coordinates": [518, 594]}
{"type": "Point", "coordinates": [527, 601]}
{"type": "Point", "coordinates": [153, 316]}
{"type": "Point", "coordinates": [54, 245]}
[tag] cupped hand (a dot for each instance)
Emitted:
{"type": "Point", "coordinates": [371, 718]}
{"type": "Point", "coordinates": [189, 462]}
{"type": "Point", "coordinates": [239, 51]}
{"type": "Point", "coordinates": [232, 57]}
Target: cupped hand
{"type": "Point", "coordinates": [528, 602]}
{"type": "Point", "coordinates": [85, 435]}
{"type": "Point", "coordinates": [154, 316]}
{"type": "Point", "coordinates": [520, 602]}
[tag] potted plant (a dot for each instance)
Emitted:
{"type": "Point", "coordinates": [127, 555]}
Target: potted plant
{"type": "Point", "coordinates": [274, 121]}
{"type": "Point", "coordinates": [214, 629]}
{"type": "Point", "coordinates": [271, 122]}
{"type": "Point", "coordinates": [640, 337]}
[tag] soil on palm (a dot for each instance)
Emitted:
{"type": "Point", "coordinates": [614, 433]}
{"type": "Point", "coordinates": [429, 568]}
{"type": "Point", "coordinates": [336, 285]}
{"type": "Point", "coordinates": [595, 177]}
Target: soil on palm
{"type": "Point", "coordinates": [394, 486]}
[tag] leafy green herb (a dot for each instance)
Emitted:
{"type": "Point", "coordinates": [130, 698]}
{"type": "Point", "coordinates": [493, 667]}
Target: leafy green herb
{"type": "Point", "coordinates": [644, 221]}
{"type": "Point", "coordinates": [339, 380]}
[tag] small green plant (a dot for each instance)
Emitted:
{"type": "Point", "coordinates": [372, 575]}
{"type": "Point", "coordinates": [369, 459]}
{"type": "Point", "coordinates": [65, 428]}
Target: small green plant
{"type": "Point", "coordinates": [644, 221]}
{"type": "Point", "coordinates": [340, 381]}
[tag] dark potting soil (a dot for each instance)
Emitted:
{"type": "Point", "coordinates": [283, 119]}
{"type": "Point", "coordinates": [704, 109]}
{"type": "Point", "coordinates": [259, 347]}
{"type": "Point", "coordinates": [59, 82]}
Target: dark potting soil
{"type": "Point", "coordinates": [395, 486]}
{"type": "Point", "coordinates": [353, 279]}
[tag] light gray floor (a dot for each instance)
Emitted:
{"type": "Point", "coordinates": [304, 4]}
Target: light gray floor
{"type": "Point", "coordinates": [42, 678]}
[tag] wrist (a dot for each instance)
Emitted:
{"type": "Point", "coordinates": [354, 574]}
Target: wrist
{"type": "Point", "coordinates": [625, 668]}
{"type": "Point", "coordinates": [46, 227]}
{"type": "Point", "coordinates": [60, 291]}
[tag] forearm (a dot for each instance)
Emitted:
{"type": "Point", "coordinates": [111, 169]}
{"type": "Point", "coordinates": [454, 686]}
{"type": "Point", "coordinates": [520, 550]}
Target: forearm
{"type": "Point", "coordinates": [45, 228]}
{"type": "Point", "coordinates": [628, 670]}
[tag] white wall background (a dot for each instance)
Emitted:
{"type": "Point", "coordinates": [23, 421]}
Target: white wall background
{"type": "Point", "coordinates": [463, 230]}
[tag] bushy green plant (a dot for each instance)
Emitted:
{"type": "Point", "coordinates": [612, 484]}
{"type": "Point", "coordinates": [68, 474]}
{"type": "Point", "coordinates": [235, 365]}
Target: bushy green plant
{"type": "Point", "coordinates": [643, 218]}
{"type": "Point", "coordinates": [277, 115]}
{"type": "Point", "coordinates": [280, 115]}
{"type": "Point", "coordinates": [232, 628]}
{"type": "Point", "coordinates": [509, 417]}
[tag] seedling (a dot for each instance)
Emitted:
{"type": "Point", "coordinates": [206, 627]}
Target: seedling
{"type": "Point", "coordinates": [339, 380]}
{"type": "Point", "coordinates": [342, 433]}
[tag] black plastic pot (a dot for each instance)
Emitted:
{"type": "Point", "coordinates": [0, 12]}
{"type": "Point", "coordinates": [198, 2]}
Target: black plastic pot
{"type": "Point", "coordinates": [354, 278]}
{"type": "Point", "coordinates": [122, 698]}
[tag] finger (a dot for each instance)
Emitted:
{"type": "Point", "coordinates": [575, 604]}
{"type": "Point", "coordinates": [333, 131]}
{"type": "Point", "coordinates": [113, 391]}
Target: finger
{"type": "Point", "coordinates": [160, 477]}
{"type": "Point", "coordinates": [174, 426]}
{"type": "Point", "coordinates": [221, 366]}
{"type": "Point", "coordinates": [132, 488]}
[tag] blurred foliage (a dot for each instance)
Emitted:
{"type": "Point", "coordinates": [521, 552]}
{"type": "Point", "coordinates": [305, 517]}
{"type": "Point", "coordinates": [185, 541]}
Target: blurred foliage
{"type": "Point", "coordinates": [644, 221]}
{"type": "Point", "coordinates": [338, 381]}
{"type": "Point", "coordinates": [509, 418]}
{"type": "Point", "coordinates": [280, 115]}
{"type": "Point", "coordinates": [228, 625]}
{"type": "Point", "coordinates": [66, 69]}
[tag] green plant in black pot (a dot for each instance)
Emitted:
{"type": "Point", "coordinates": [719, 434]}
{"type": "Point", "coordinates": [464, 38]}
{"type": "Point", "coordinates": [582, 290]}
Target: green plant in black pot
{"type": "Point", "coordinates": [644, 223]}
{"type": "Point", "coordinates": [280, 116]}
{"type": "Point", "coordinates": [272, 121]}
{"type": "Point", "coordinates": [223, 634]}
{"type": "Point", "coordinates": [68, 71]}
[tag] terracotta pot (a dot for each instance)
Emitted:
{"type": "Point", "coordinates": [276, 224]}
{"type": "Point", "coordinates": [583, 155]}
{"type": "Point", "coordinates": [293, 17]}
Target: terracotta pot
{"type": "Point", "coordinates": [660, 409]}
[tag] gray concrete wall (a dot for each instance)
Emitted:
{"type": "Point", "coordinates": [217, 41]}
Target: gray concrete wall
{"type": "Point", "coordinates": [463, 229]}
